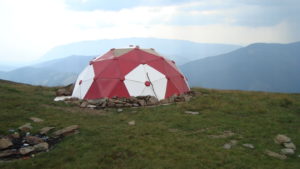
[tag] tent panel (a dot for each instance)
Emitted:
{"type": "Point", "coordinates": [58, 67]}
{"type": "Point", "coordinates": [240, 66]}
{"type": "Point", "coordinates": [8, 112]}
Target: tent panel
{"type": "Point", "coordinates": [152, 73]}
{"type": "Point", "coordinates": [180, 84]}
{"type": "Point", "coordinates": [106, 86]}
{"type": "Point", "coordinates": [134, 88]}
{"type": "Point", "coordinates": [137, 74]}
{"type": "Point", "coordinates": [111, 71]}
{"type": "Point", "coordinates": [119, 52]}
{"type": "Point", "coordinates": [84, 87]}
{"type": "Point", "coordinates": [158, 65]}
{"type": "Point", "coordinates": [126, 66]}
{"type": "Point", "coordinates": [160, 88]}
{"type": "Point", "coordinates": [93, 92]}
{"type": "Point", "coordinates": [132, 56]}
{"type": "Point", "coordinates": [148, 91]}
{"type": "Point", "coordinates": [119, 91]}
{"type": "Point", "coordinates": [108, 55]}
{"type": "Point", "coordinates": [171, 89]}
{"type": "Point", "coordinates": [99, 67]}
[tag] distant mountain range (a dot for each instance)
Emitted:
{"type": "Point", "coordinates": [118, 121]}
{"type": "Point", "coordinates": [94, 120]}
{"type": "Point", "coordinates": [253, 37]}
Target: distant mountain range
{"type": "Point", "coordinates": [62, 64]}
{"type": "Point", "coordinates": [260, 67]}
{"type": "Point", "coordinates": [180, 51]}
{"type": "Point", "coordinates": [4, 68]}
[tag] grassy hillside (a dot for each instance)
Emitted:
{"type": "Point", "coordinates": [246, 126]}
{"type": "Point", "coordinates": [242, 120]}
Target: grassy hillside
{"type": "Point", "coordinates": [163, 137]}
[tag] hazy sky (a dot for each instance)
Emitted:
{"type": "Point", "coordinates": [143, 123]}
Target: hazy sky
{"type": "Point", "coordinates": [29, 28]}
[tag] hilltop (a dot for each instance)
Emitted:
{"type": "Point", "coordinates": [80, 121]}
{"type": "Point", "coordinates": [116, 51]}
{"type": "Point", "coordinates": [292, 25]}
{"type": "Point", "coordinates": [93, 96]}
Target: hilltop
{"type": "Point", "coordinates": [163, 136]}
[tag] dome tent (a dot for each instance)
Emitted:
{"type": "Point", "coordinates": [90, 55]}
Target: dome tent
{"type": "Point", "coordinates": [130, 72]}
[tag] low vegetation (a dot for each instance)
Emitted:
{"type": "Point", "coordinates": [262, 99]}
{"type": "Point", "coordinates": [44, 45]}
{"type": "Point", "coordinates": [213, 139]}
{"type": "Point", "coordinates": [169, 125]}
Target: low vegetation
{"type": "Point", "coordinates": [162, 136]}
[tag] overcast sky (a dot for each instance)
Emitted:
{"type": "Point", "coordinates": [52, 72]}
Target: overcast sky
{"type": "Point", "coordinates": [29, 28]}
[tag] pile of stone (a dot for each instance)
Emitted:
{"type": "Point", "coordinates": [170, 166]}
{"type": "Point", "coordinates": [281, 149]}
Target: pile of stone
{"type": "Point", "coordinates": [21, 143]}
{"type": "Point", "coordinates": [65, 91]}
{"type": "Point", "coordinates": [117, 102]}
{"type": "Point", "coordinates": [288, 147]}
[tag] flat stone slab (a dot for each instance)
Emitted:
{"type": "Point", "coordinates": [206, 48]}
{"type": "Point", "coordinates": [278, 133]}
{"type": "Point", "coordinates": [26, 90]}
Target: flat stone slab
{"type": "Point", "coordinates": [6, 153]}
{"type": "Point", "coordinates": [280, 139]}
{"type": "Point", "coordinates": [289, 145]}
{"type": "Point", "coordinates": [275, 155]}
{"type": "Point", "coordinates": [287, 151]}
{"type": "Point", "coordinates": [131, 123]}
{"type": "Point", "coordinates": [45, 130]}
{"type": "Point", "coordinates": [66, 130]}
{"type": "Point", "coordinates": [26, 150]}
{"type": "Point", "coordinates": [41, 146]}
{"type": "Point", "coordinates": [225, 134]}
{"type": "Point", "coordinates": [248, 146]}
{"type": "Point", "coordinates": [5, 143]}
{"type": "Point", "coordinates": [191, 112]}
{"type": "Point", "coordinates": [62, 98]}
{"type": "Point", "coordinates": [36, 119]}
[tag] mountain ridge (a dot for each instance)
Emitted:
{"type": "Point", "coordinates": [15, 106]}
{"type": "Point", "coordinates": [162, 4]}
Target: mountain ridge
{"type": "Point", "coordinates": [260, 66]}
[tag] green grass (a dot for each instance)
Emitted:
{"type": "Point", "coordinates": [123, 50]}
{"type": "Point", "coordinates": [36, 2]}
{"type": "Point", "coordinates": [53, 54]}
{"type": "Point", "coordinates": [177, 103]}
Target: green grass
{"type": "Point", "coordinates": [107, 141]}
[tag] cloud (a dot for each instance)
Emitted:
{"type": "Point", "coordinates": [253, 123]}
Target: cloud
{"type": "Point", "coordinates": [30, 28]}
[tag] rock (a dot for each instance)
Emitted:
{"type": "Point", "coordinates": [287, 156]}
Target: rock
{"type": "Point", "coordinates": [135, 105]}
{"type": "Point", "coordinates": [26, 150]}
{"type": "Point", "coordinates": [187, 98]}
{"type": "Point", "coordinates": [45, 130]}
{"type": "Point", "coordinates": [141, 102]}
{"type": "Point", "coordinates": [91, 106]}
{"type": "Point", "coordinates": [164, 101]}
{"type": "Point", "coordinates": [230, 144]}
{"type": "Point", "coordinates": [280, 139]}
{"type": "Point", "coordinates": [131, 123]}
{"type": "Point", "coordinates": [191, 112]}
{"type": "Point", "coordinates": [119, 105]}
{"type": "Point", "coordinates": [233, 142]}
{"type": "Point", "coordinates": [287, 151]}
{"type": "Point", "coordinates": [152, 101]}
{"type": "Point", "coordinates": [41, 146]}
{"type": "Point", "coordinates": [224, 135]}
{"type": "Point", "coordinates": [132, 99]}
{"type": "Point", "coordinates": [15, 135]}
{"type": "Point", "coordinates": [7, 153]}
{"type": "Point", "coordinates": [63, 92]}
{"type": "Point", "coordinates": [299, 155]}
{"type": "Point", "coordinates": [5, 143]}
{"type": "Point", "coordinates": [36, 120]}
{"type": "Point", "coordinates": [84, 104]}
{"type": "Point", "coordinates": [66, 131]}
{"type": "Point", "coordinates": [33, 140]}
{"type": "Point", "coordinates": [275, 155]}
{"type": "Point", "coordinates": [119, 110]}
{"type": "Point", "coordinates": [227, 146]}
{"type": "Point", "coordinates": [248, 146]}
{"type": "Point", "coordinates": [289, 145]}
{"type": "Point", "coordinates": [26, 127]}
{"type": "Point", "coordinates": [94, 102]}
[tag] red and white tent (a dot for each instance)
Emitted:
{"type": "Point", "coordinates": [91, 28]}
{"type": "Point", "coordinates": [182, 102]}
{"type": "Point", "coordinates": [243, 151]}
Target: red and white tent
{"type": "Point", "coordinates": [130, 72]}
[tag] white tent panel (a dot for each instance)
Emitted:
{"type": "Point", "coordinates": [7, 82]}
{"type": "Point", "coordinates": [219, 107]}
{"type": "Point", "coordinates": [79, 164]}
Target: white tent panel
{"type": "Point", "coordinates": [84, 82]}
{"type": "Point", "coordinates": [153, 74]}
{"type": "Point", "coordinates": [87, 73]}
{"type": "Point", "coordinates": [134, 88]}
{"type": "Point", "coordinates": [148, 91]}
{"type": "Point", "coordinates": [85, 86]}
{"type": "Point", "coordinates": [137, 74]}
{"type": "Point", "coordinates": [160, 88]}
